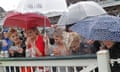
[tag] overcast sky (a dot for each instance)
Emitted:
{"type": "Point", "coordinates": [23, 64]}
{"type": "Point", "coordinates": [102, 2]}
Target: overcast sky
{"type": "Point", "coordinates": [9, 4]}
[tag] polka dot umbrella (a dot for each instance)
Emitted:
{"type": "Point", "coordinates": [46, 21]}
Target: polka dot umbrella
{"type": "Point", "coordinates": [103, 27]}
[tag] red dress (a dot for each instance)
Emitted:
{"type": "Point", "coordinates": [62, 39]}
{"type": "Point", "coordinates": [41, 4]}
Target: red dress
{"type": "Point", "coordinates": [40, 45]}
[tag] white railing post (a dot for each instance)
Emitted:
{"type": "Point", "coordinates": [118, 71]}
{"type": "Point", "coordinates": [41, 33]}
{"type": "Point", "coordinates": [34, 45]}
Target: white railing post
{"type": "Point", "coordinates": [103, 60]}
{"type": "Point", "coordinates": [2, 68]}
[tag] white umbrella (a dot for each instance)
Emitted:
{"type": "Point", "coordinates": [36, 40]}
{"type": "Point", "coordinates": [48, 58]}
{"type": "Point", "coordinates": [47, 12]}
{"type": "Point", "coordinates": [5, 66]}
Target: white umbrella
{"type": "Point", "coordinates": [79, 11]}
{"type": "Point", "coordinates": [48, 7]}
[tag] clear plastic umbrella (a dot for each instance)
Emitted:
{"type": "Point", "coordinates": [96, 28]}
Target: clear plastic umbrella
{"type": "Point", "coordinates": [47, 7]}
{"type": "Point", "coordinates": [79, 11]}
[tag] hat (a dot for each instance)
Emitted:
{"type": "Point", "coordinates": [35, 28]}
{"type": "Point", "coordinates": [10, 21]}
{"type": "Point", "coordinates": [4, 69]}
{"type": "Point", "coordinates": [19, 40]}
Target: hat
{"type": "Point", "coordinates": [6, 30]}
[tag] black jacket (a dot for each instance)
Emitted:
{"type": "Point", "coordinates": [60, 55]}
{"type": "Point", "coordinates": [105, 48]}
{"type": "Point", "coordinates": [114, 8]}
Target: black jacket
{"type": "Point", "coordinates": [16, 54]}
{"type": "Point", "coordinates": [114, 54]}
{"type": "Point", "coordinates": [115, 51]}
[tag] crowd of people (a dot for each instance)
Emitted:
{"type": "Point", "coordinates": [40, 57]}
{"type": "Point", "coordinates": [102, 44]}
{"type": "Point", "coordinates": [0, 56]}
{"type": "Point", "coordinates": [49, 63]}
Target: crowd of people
{"type": "Point", "coordinates": [33, 43]}
{"type": "Point", "coordinates": [54, 42]}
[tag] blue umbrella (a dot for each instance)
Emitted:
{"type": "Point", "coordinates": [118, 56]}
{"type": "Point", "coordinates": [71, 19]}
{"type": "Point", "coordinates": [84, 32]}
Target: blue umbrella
{"type": "Point", "coordinates": [103, 27]}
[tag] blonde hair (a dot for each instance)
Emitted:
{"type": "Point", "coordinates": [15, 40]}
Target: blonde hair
{"type": "Point", "coordinates": [58, 32]}
{"type": "Point", "coordinates": [76, 36]}
{"type": "Point", "coordinates": [76, 39]}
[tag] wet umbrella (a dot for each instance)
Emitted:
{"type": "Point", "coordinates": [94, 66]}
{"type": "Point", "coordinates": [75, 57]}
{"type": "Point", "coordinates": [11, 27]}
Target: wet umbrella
{"type": "Point", "coordinates": [79, 11]}
{"type": "Point", "coordinates": [26, 20]}
{"type": "Point", "coordinates": [47, 7]}
{"type": "Point", "coordinates": [104, 27]}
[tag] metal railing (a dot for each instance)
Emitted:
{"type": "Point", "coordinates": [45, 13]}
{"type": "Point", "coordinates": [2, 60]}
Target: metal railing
{"type": "Point", "coordinates": [83, 63]}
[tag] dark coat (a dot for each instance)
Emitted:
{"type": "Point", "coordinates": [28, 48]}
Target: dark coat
{"type": "Point", "coordinates": [114, 54]}
{"type": "Point", "coordinates": [115, 51]}
{"type": "Point", "coordinates": [16, 54]}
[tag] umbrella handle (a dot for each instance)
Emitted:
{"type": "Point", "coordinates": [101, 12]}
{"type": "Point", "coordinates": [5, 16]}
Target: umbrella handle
{"type": "Point", "coordinates": [46, 41]}
{"type": "Point", "coordinates": [45, 35]}
{"type": "Point", "coordinates": [44, 24]}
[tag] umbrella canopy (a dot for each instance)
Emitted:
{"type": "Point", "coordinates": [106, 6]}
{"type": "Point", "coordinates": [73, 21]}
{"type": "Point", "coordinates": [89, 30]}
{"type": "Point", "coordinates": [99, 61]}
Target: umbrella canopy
{"type": "Point", "coordinates": [48, 7]}
{"type": "Point", "coordinates": [104, 27]}
{"type": "Point", "coordinates": [27, 20]}
{"type": "Point", "coordinates": [79, 11]}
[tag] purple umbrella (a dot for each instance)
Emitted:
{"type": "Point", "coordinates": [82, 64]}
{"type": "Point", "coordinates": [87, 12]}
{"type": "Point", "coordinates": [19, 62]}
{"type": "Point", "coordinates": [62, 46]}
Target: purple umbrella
{"type": "Point", "coordinates": [103, 27]}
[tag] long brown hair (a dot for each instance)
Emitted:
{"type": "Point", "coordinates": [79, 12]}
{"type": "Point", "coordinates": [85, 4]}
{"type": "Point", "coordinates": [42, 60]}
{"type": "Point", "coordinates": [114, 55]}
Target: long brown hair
{"type": "Point", "coordinates": [35, 30]}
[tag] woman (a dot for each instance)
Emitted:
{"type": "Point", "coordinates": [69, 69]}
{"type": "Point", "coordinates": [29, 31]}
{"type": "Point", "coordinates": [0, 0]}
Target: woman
{"type": "Point", "coordinates": [114, 49]}
{"type": "Point", "coordinates": [18, 47]}
{"type": "Point", "coordinates": [7, 40]}
{"type": "Point", "coordinates": [35, 45]}
{"type": "Point", "coordinates": [60, 49]}
{"type": "Point", "coordinates": [75, 44]}
{"type": "Point", "coordinates": [34, 42]}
